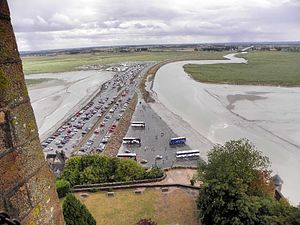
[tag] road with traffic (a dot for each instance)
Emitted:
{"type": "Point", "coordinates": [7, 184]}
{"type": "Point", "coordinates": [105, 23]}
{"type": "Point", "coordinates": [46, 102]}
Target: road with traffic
{"type": "Point", "coordinates": [91, 127]}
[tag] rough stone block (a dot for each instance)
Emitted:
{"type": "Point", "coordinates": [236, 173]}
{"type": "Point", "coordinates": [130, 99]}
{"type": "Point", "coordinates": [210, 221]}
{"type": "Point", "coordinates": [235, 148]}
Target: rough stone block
{"type": "Point", "coordinates": [2, 117]}
{"type": "Point", "coordinates": [4, 8]}
{"type": "Point", "coordinates": [110, 194]}
{"type": "Point", "coordinates": [20, 202]}
{"type": "Point", "coordinates": [2, 206]}
{"type": "Point", "coordinates": [5, 135]}
{"type": "Point", "coordinates": [12, 85]}
{"type": "Point", "coordinates": [19, 164]}
{"type": "Point", "coordinates": [46, 207]}
{"type": "Point", "coordinates": [40, 185]}
{"type": "Point", "coordinates": [23, 125]}
{"type": "Point", "coordinates": [8, 46]}
{"type": "Point", "coordinates": [138, 192]}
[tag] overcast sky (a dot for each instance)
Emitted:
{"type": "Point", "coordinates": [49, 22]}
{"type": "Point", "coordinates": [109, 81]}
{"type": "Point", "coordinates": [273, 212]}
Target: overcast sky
{"type": "Point", "coordinates": [52, 24]}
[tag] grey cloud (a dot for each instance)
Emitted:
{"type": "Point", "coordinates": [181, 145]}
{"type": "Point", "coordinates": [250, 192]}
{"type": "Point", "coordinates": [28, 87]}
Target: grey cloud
{"type": "Point", "coordinates": [106, 22]}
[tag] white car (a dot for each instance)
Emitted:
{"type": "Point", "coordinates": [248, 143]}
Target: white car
{"type": "Point", "coordinates": [158, 157]}
{"type": "Point", "coordinates": [144, 161]}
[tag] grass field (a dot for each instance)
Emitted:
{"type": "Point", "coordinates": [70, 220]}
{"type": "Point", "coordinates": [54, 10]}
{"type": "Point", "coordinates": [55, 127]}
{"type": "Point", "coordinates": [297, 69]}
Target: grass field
{"type": "Point", "coordinates": [263, 68]}
{"type": "Point", "coordinates": [63, 62]}
{"type": "Point", "coordinates": [127, 208]}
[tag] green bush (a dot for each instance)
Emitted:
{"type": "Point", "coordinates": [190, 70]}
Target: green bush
{"type": "Point", "coordinates": [75, 213]}
{"type": "Point", "coordinates": [155, 172]}
{"type": "Point", "coordinates": [129, 170]}
{"type": "Point", "coordinates": [91, 169]}
{"type": "Point", "coordinates": [62, 187]}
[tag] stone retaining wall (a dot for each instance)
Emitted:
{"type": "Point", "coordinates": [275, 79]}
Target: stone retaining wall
{"type": "Point", "coordinates": [112, 184]}
{"type": "Point", "coordinates": [131, 186]}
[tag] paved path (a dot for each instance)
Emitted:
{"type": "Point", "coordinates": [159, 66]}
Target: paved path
{"type": "Point", "coordinates": [180, 176]}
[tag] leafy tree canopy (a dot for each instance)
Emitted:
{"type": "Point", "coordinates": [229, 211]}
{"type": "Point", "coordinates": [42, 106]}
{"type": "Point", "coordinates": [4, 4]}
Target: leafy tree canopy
{"type": "Point", "coordinates": [237, 188]}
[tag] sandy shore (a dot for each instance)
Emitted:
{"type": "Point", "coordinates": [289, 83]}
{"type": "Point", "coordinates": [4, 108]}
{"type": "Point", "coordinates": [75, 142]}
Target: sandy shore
{"type": "Point", "coordinates": [55, 100]}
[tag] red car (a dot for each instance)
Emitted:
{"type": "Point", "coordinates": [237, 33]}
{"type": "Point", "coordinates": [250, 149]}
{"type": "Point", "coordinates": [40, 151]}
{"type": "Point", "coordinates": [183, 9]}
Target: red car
{"type": "Point", "coordinates": [112, 128]}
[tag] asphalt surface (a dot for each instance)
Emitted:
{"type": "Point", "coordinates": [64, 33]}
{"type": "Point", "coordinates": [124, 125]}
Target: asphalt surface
{"type": "Point", "coordinates": [155, 139]}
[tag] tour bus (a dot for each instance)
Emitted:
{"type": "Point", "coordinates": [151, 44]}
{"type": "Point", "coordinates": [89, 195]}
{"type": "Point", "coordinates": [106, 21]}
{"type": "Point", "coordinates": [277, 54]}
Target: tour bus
{"type": "Point", "coordinates": [188, 154]}
{"type": "Point", "coordinates": [177, 141]}
{"type": "Point", "coordinates": [127, 155]}
{"type": "Point", "coordinates": [138, 124]}
{"type": "Point", "coordinates": [131, 140]}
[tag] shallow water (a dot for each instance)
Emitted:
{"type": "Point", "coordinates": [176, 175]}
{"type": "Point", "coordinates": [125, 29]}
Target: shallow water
{"type": "Point", "coordinates": [268, 116]}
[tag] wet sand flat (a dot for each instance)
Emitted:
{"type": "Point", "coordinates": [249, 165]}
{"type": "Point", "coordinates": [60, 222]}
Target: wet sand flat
{"type": "Point", "coordinates": [267, 116]}
{"type": "Point", "coordinates": [61, 96]}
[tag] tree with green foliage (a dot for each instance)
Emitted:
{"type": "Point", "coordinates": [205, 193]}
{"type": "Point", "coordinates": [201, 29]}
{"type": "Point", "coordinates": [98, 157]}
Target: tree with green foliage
{"type": "Point", "coordinates": [62, 187]}
{"type": "Point", "coordinates": [154, 172]}
{"type": "Point", "coordinates": [237, 188]}
{"type": "Point", "coordinates": [128, 170]}
{"type": "Point", "coordinates": [91, 169]}
{"type": "Point", "coordinates": [75, 213]}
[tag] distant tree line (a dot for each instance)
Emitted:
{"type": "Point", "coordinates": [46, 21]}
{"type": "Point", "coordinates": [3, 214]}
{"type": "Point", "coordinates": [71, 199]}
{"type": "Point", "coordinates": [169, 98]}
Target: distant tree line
{"type": "Point", "coordinates": [92, 169]}
{"type": "Point", "coordinates": [237, 188]}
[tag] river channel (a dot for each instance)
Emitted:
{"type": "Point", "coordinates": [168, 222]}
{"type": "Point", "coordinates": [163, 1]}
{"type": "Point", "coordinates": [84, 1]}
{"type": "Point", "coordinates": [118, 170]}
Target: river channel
{"type": "Point", "coordinates": [268, 116]}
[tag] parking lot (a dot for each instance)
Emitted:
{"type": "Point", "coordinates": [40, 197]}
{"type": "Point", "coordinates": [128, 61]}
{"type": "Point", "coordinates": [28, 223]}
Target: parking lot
{"type": "Point", "coordinates": [155, 137]}
{"type": "Point", "coordinates": [91, 127]}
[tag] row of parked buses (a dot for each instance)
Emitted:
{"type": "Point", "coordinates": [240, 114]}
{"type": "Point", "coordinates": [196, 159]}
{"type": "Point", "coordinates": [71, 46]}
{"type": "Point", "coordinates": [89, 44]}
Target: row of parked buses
{"type": "Point", "coordinates": [179, 154]}
{"type": "Point", "coordinates": [173, 142]}
{"type": "Point", "coordinates": [137, 141]}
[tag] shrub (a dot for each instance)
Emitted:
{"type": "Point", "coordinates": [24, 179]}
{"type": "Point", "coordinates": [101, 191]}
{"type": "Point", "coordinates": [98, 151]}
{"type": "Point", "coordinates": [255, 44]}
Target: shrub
{"type": "Point", "coordinates": [129, 170]}
{"type": "Point", "coordinates": [75, 213]}
{"type": "Point", "coordinates": [155, 172]}
{"type": "Point", "coordinates": [62, 187]}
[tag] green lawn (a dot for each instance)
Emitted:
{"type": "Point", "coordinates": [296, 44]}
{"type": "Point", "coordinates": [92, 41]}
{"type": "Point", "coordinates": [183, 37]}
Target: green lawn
{"type": "Point", "coordinates": [127, 208]}
{"type": "Point", "coordinates": [63, 62]}
{"type": "Point", "coordinates": [263, 68]}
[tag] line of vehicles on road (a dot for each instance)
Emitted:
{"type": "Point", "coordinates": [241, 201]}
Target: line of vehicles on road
{"type": "Point", "coordinates": [101, 128]}
{"type": "Point", "coordinates": [108, 105]}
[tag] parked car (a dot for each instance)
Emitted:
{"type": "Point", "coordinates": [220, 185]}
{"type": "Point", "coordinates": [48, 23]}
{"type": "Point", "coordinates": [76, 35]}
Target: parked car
{"type": "Point", "coordinates": [158, 157]}
{"type": "Point", "coordinates": [144, 161]}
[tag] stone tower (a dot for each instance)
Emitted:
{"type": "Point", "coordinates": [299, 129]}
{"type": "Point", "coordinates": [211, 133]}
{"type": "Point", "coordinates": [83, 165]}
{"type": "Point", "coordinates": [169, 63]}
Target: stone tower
{"type": "Point", "coordinates": [27, 187]}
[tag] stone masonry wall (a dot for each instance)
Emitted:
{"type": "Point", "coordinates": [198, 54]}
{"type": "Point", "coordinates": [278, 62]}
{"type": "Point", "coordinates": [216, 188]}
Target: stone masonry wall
{"type": "Point", "coordinates": [27, 187]}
